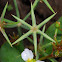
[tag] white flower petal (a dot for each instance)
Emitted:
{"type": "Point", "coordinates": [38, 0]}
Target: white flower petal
{"type": "Point", "coordinates": [27, 54]}
{"type": "Point", "coordinates": [39, 61]}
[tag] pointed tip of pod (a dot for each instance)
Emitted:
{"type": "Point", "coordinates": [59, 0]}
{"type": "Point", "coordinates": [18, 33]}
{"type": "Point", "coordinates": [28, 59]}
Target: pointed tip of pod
{"type": "Point", "coordinates": [7, 3]}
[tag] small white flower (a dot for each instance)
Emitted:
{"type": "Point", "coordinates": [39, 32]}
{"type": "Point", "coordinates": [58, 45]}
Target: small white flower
{"type": "Point", "coordinates": [27, 54]}
{"type": "Point", "coordinates": [39, 61]}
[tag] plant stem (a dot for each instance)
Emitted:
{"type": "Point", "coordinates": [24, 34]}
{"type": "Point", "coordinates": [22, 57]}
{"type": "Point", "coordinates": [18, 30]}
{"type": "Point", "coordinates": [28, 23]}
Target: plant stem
{"type": "Point", "coordinates": [48, 44]}
{"type": "Point", "coordinates": [56, 31]}
{"type": "Point", "coordinates": [16, 7]}
{"type": "Point", "coordinates": [18, 15]}
{"type": "Point", "coordinates": [30, 40]}
{"type": "Point", "coordinates": [34, 6]}
{"type": "Point", "coordinates": [47, 57]}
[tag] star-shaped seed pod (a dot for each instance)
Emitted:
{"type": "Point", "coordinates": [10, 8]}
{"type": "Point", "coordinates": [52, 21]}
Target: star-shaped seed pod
{"type": "Point", "coordinates": [34, 29]}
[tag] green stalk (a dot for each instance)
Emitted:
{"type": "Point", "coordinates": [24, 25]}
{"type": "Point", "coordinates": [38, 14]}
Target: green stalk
{"type": "Point", "coordinates": [55, 35]}
{"type": "Point", "coordinates": [25, 18]}
{"type": "Point", "coordinates": [46, 36]}
{"type": "Point", "coordinates": [16, 7]}
{"type": "Point", "coordinates": [18, 15]}
{"type": "Point", "coordinates": [30, 40]}
{"type": "Point", "coordinates": [34, 6]}
{"type": "Point", "coordinates": [56, 31]}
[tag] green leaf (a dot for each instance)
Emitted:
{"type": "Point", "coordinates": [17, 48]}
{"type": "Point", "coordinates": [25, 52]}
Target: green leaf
{"type": "Point", "coordinates": [10, 7]}
{"type": "Point", "coordinates": [49, 50]}
{"type": "Point", "coordinates": [6, 20]}
{"type": "Point", "coordinates": [46, 20]}
{"type": "Point", "coordinates": [23, 22]}
{"type": "Point", "coordinates": [51, 59]}
{"type": "Point", "coordinates": [19, 46]}
{"type": "Point", "coordinates": [22, 37]}
{"type": "Point", "coordinates": [11, 25]}
{"type": "Point", "coordinates": [9, 54]}
{"type": "Point", "coordinates": [4, 11]}
{"type": "Point", "coordinates": [41, 37]}
{"type": "Point", "coordinates": [6, 37]}
{"type": "Point", "coordinates": [45, 35]}
{"type": "Point", "coordinates": [48, 5]}
{"type": "Point", "coordinates": [33, 16]}
{"type": "Point", "coordinates": [50, 32]}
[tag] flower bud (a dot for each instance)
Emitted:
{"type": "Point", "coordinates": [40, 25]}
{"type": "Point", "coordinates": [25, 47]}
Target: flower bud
{"type": "Point", "coordinates": [57, 24]}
